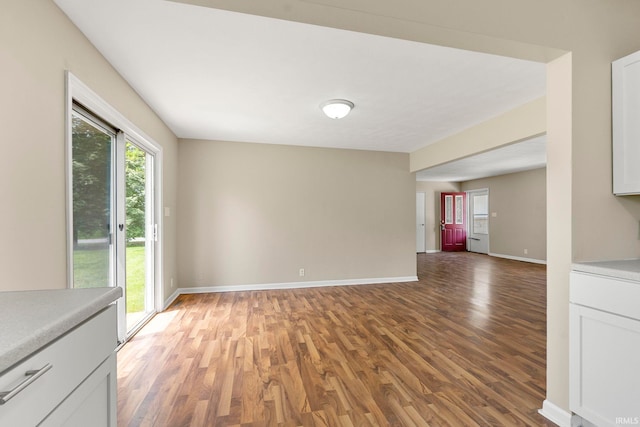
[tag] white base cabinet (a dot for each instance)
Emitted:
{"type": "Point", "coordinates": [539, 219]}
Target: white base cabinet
{"type": "Point", "coordinates": [79, 388]}
{"type": "Point", "coordinates": [605, 349]}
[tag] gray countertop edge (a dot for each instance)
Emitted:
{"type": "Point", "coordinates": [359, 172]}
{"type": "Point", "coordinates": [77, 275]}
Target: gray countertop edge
{"type": "Point", "coordinates": [628, 269]}
{"type": "Point", "coordinates": [62, 320]}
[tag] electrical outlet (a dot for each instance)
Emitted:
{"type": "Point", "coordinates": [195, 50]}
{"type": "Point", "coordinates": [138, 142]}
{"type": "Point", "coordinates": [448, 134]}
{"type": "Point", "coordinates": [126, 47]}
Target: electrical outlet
{"type": "Point", "coordinates": [526, 251]}
{"type": "Point", "coordinates": [301, 272]}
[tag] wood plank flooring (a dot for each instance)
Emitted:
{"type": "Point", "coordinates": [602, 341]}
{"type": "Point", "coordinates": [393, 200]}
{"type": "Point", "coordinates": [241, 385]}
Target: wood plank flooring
{"type": "Point", "coordinates": [464, 346]}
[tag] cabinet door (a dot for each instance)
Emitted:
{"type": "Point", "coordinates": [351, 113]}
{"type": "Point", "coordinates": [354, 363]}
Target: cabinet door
{"type": "Point", "coordinates": [604, 374]}
{"type": "Point", "coordinates": [93, 403]}
{"type": "Point", "coordinates": [625, 73]}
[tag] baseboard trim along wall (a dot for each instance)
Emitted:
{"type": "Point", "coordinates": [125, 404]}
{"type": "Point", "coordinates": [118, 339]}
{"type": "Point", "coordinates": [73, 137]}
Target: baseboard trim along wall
{"type": "Point", "coordinates": [517, 258]}
{"type": "Point", "coordinates": [288, 285]}
{"type": "Point", "coordinates": [555, 414]}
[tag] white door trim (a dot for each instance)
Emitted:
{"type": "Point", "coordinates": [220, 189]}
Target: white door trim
{"type": "Point", "coordinates": [421, 217]}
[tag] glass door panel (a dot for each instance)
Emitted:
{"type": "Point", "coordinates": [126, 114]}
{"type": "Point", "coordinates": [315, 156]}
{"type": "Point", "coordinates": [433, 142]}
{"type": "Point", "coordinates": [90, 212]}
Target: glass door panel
{"type": "Point", "coordinates": [139, 234]}
{"type": "Point", "coordinates": [460, 209]}
{"type": "Point", "coordinates": [92, 158]}
{"type": "Point", "coordinates": [481, 214]}
{"type": "Point", "coordinates": [448, 209]}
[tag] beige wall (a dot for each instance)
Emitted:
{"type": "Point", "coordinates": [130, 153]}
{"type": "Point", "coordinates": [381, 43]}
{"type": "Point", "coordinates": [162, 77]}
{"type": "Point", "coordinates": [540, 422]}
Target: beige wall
{"type": "Point", "coordinates": [520, 203]}
{"type": "Point", "coordinates": [256, 214]}
{"type": "Point", "coordinates": [432, 192]}
{"type": "Point", "coordinates": [37, 44]}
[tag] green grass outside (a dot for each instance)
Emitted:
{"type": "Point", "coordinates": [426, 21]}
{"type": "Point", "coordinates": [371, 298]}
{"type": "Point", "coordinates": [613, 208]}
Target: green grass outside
{"type": "Point", "coordinates": [90, 266]}
{"type": "Point", "coordinates": [135, 279]}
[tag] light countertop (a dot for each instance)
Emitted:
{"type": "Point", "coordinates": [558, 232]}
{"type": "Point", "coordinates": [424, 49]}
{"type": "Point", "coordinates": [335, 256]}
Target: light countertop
{"type": "Point", "coordinates": [30, 320]}
{"type": "Point", "coordinates": [628, 269]}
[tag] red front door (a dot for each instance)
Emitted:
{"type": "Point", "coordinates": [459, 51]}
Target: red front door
{"type": "Point", "coordinates": [453, 221]}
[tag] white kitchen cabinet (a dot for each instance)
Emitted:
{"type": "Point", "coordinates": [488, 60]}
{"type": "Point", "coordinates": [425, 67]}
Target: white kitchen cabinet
{"type": "Point", "coordinates": [604, 348]}
{"type": "Point", "coordinates": [78, 388]}
{"type": "Point", "coordinates": [625, 73]}
{"type": "Point", "coordinates": [93, 403]}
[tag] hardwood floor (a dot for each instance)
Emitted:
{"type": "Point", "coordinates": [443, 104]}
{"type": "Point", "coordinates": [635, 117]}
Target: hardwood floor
{"type": "Point", "coordinates": [464, 346]}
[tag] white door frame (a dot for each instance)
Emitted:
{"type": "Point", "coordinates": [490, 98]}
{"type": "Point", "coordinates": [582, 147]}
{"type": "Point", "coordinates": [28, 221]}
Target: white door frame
{"type": "Point", "coordinates": [421, 217]}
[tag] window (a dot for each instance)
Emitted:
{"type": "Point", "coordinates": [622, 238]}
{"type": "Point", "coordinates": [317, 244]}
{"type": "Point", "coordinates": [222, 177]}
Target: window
{"type": "Point", "coordinates": [481, 214]}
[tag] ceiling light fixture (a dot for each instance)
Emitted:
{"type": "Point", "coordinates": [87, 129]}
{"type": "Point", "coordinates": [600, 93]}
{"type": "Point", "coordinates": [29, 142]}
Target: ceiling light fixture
{"type": "Point", "coordinates": [337, 108]}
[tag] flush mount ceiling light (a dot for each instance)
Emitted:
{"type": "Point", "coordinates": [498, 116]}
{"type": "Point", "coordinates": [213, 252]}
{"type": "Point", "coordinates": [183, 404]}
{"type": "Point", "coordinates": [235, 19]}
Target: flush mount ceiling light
{"type": "Point", "coordinates": [336, 108]}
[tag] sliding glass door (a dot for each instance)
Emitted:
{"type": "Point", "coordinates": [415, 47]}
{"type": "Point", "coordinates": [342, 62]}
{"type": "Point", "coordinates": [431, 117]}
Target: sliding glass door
{"type": "Point", "coordinates": [114, 229]}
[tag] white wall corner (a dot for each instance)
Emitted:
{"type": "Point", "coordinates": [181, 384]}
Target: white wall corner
{"type": "Point", "coordinates": [555, 414]}
{"type": "Point", "coordinates": [171, 299]}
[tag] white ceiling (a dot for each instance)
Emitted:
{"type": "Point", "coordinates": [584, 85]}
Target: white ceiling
{"type": "Point", "coordinates": [220, 75]}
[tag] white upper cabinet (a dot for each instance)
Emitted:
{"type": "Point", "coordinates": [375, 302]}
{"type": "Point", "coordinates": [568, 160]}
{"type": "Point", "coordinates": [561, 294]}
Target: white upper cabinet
{"type": "Point", "coordinates": [625, 73]}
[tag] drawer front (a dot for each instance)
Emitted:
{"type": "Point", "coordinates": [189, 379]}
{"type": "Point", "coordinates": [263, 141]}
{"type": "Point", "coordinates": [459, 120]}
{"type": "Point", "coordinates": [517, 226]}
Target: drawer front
{"type": "Point", "coordinates": [72, 358]}
{"type": "Point", "coordinates": [605, 293]}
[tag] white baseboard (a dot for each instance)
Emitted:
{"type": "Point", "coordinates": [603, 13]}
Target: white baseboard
{"type": "Point", "coordinates": [287, 285]}
{"type": "Point", "coordinates": [517, 258]}
{"type": "Point", "coordinates": [432, 251]}
{"type": "Point", "coordinates": [555, 414]}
